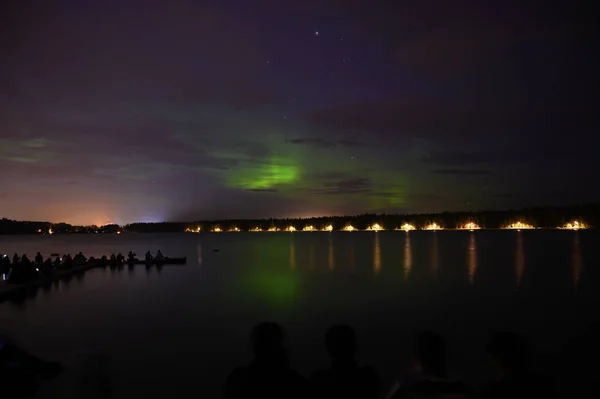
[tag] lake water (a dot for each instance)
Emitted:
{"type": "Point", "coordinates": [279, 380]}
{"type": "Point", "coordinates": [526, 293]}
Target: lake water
{"type": "Point", "coordinates": [188, 326]}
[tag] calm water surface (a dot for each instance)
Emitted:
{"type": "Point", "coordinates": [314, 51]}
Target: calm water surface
{"type": "Point", "coordinates": [188, 326]}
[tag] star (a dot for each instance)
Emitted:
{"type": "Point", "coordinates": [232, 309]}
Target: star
{"type": "Point", "coordinates": [316, 33]}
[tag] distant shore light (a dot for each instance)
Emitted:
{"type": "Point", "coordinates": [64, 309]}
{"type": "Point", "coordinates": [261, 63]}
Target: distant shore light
{"type": "Point", "coordinates": [433, 226]}
{"type": "Point", "coordinates": [308, 228]}
{"type": "Point", "coordinates": [407, 227]}
{"type": "Point", "coordinates": [574, 225]}
{"type": "Point", "coordinates": [328, 228]}
{"type": "Point", "coordinates": [375, 227]}
{"type": "Point", "coordinates": [291, 228]}
{"type": "Point", "coordinates": [470, 226]}
{"type": "Point", "coordinates": [349, 228]}
{"type": "Point", "coordinates": [519, 226]}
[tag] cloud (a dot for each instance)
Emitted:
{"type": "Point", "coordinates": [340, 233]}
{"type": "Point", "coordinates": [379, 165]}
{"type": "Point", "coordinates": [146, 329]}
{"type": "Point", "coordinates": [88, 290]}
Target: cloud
{"type": "Point", "coordinates": [40, 142]}
{"type": "Point", "coordinates": [462, 172]}
{"type": "Point", "coordinates": [317, 142]}
{"type": "Point", "coordinates": [353, 186]}
{"type": "Point", "coordinates": [262, 190]}
{"type": "Point", "coordinates": [312, 142]}
{"type": "Point", "coordinates": [467, 158]}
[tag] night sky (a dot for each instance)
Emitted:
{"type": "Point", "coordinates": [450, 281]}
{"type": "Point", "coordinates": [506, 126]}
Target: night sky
{"type": "Point", "coordinates": [120, 111]}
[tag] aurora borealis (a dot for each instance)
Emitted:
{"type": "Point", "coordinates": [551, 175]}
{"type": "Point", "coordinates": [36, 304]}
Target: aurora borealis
{"type": "Point", "coordinates": [123, 111]}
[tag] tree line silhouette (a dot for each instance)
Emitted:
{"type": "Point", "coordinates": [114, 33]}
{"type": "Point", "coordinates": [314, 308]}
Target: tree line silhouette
{"type": "Point", "coordinates": [545, 217]}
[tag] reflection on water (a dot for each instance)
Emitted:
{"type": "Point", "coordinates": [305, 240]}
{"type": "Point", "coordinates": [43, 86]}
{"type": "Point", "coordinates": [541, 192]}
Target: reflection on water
{"type": "Point", "coordinates": [199, 253]}
{"type": "Point", "coordinates": [576, 261]}
{"type": "Point", "coordinates": [292, 254]}
{"type": "Point", "coordinates": [407, 256]}
{"type": "Point", "coordinates": [330, 256]}
{"type": "Point", "coordinates": [311, 257]}
{"type": "Point", "coordinates": [434, 254]}
{"type": "Point", "coordinates": [519, 259]}
{"type": "Point", "coordinates": [376, 256]}
{"type": "Point", "coordinates": [472, 257]}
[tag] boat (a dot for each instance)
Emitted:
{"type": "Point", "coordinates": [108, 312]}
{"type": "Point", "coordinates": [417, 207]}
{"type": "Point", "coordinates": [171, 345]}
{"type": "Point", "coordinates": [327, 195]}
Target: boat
{"type": "Point", "coordinates": [163, 261]}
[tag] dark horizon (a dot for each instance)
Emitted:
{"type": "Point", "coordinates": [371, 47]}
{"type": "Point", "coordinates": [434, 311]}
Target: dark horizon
{"type": "Point", "coordinates": [151, 110]}
{"type": "Point", "coordinates": [588, 215]}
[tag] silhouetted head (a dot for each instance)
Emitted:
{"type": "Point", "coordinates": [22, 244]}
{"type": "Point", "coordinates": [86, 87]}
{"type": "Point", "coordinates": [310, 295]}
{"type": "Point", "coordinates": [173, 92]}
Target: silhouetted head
{"type": "Point", "coordinates": [340, 341]}
{"type": "Point", "coordinates": [510, 352]}
{"type": "Point", "coordinates": [430, 354]}
{"type": "Point", "coordinates": [267, 340]}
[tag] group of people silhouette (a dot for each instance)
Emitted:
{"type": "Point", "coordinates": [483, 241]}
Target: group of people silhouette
{"type": "Point", "coordinates": [269, 374]}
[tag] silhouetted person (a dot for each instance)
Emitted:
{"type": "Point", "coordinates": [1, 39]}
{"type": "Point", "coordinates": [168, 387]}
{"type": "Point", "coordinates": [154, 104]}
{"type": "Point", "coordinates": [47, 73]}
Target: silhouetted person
{"type": "Point", "coordinates": [148, 256]}
{"type": "Point", "coordinates": [25, 260]}
{"type": "Point", "coordinates": [16, 259]}
{"type": "Point", "coordinates": [39, 259]}
{"type": "Point", "coordinates": [130, 256]}
{"type": "Point", "coordinates": [269, 374]}
{"type": "Point", "coordinates": [344, 379]}
{"type": "Point", "coordinates": [510, 354]}
{"type": "Point", "coordinates": [428, 379]}
{"type": "Point", "coordinates": [159, 255]}
{"type": "Point", "coordinates": [120, 258]}
{"type": "Point", "coordinates": [5, 264]}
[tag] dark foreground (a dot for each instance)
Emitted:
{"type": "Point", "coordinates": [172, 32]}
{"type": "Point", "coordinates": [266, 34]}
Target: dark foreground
{"type": "Point", "coordinates": [187, 327]}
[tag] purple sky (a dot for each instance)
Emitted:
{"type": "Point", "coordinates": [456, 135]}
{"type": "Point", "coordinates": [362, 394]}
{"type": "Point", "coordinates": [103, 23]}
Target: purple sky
{"type": "Point", "coordinates": [119, 111]}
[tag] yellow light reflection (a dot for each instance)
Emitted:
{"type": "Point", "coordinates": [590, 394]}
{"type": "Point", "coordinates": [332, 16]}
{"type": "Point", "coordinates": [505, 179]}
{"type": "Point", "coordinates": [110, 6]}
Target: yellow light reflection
{"type": "Point", "coordinates": [290, 228]}
{"type": "Point", "coordinates": [576, 261]}
{"type": "Point", "coordinates": [433, 226]}
{"type": "Point", "coordinates": [376, 256]}
{"type": "Point", "coordinates": [375, 227]}
{"type": "Point", "coordinates": [349, 228]}
{"type": "Point", "coordinates": [234, 230]}
{"type": "Point", "coordinates": [519, 260]}
{"type": "Point", "coordinates": [472, 258]}
{"type": "Point", "coordinates": [574, 225]}
{"type": "Point", "coordinates": [273, 229]}
{"type": "Point", "coordinates": [470, 226]}
{"type": "Point", "coordinates": [435, 259]}
{"type": "Point", "coordinates": [328, 228]}
{"type": "Point", "coordinates": [308, 228]}
{"type": "Point", "coordinates": [519, 226]}
{"type": "Point", "coordinates": [407, 257]}
{"type": "Point", "coordinates": [292, 255]}
{"type": "Point", "coordinates": [331, 256]}
{"type": "Point", "coordinates": [216, 229]}
{"type": "Point", "coordinates": [256, 229]}
{"type": "Point", "coordinates": [407, 227]}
